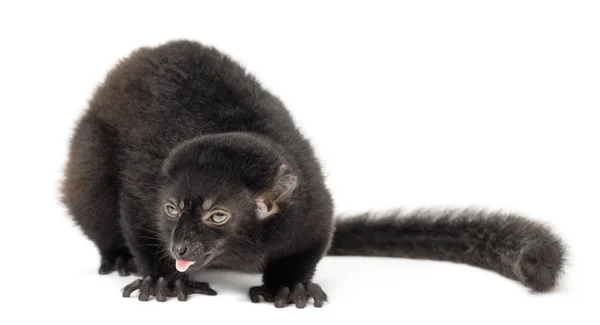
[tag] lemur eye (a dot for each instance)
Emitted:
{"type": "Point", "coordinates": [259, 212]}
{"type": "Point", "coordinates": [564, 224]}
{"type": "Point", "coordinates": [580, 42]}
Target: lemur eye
{"type": "Point", "coordinates": [219, 217]}
{"type": "Point", "coordinates": [171, 210]}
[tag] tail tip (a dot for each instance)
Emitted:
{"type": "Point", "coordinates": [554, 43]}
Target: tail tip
{"type": "Point", "coordinates": [540, 264]}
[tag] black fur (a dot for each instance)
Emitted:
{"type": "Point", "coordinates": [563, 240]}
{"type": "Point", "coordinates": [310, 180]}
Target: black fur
{"type": "Point", "coordinates": [505, 243]}
{"type": "Point", "coordinates": [179, 132]}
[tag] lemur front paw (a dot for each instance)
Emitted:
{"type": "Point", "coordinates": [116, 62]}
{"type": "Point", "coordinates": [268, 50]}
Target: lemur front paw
{"type": "Point", "coordinates": [298, 295]}
{"type": "Point", "coordinates": [162, 288]}
{"type": "Point", "coordinates": [117, 261]}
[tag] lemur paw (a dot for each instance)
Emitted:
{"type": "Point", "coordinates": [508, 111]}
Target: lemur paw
{"type": "Point", "coordinates": [162, 288]}
{"type": "Point", "coordinates": [298, 295]}
{"type": "Point", "coordinates": [120, 262]}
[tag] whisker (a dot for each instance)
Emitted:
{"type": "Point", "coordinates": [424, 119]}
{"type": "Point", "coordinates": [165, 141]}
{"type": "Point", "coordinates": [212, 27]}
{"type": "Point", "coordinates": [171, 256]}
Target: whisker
{"type": "Point", "coordinates": [150, 245]}
{"type": "Point", "coordinates": [146, 229]}
{"type": "Point", "coordinates": [154, 238]}
{"type": "Point", "coordinates": [162, 258]}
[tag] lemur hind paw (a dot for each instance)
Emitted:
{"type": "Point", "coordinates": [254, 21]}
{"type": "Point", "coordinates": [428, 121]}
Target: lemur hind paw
{"type": "Point", "coordinates": [120, 262]}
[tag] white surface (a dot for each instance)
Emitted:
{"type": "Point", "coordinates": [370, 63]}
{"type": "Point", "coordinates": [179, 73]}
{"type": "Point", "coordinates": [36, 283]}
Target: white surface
{"type": "Point", "coordinates": [413, 104]}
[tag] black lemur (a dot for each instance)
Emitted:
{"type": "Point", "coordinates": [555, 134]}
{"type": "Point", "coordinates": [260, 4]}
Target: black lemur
{"type": "Point", "coordinates": [184, 162]}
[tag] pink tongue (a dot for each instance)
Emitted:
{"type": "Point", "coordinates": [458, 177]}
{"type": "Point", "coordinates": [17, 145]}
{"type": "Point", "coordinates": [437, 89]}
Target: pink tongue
{"type": "Point", "coordinates": [182, 265]}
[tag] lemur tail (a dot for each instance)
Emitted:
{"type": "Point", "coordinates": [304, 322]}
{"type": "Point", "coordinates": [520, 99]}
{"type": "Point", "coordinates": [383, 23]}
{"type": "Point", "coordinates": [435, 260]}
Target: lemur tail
{"type": "Point", "coordinates": [508, 244]}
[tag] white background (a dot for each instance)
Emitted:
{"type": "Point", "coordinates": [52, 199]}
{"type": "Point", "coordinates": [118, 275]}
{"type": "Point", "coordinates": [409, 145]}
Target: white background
{"type": "Point", "coordinates": [409, 104]}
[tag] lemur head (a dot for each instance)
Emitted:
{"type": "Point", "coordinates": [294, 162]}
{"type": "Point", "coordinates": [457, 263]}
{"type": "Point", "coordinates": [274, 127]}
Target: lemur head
{"type": "Point", "coordinates": [219, 192]}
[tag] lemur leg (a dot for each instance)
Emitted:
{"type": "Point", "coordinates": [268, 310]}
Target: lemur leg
{"type": "Point", "coordinates": [287, 280]}
{"type": "Point", "coordinates": [90, 192]}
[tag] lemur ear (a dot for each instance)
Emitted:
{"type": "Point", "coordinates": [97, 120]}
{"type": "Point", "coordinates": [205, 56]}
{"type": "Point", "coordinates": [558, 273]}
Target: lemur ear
{"type": "Point", "coordinates": [281, 189]}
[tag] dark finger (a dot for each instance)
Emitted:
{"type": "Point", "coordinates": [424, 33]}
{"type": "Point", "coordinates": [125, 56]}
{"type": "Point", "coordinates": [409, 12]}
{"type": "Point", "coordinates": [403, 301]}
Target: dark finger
{"type": "Point", "coordinates": [161, 290]}
{"type": "Point", "coordinates": [282, 297]}
{"type": "Point", "coordinates": [255, 293]}
{"type": "Point", "coordinates": [203, 288]}
{"type": "Point", "coordinates": [106, 266]}
{"type": "Point", "coordinates": [180, 290]}
{"type": "Point", "coordinates": [145, 289]}
{"type": "Point", "coordinates": [121, 265]}
{"type": "Point", "coordinates": [131, 288]}
{"type": "Point", "coordinates": [131, 268]}
{"type": "Point", "coordinates": [315, 291]}
{"type": "Point", "coordinates": [299, 295]}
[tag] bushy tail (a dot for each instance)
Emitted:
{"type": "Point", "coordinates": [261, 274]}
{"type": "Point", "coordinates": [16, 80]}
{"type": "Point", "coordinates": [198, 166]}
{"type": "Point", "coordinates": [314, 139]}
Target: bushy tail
{"type": "Point", "coordinates": [508, 244]}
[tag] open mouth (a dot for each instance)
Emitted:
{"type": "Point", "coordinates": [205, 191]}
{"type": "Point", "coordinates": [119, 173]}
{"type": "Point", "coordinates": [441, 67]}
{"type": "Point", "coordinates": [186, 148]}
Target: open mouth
{"type": "Point", "coordinates": [183, 265]}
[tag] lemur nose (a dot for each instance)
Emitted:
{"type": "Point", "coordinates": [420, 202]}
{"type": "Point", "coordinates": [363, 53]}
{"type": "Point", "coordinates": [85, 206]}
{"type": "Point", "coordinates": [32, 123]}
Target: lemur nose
{"type": "Point", "coordinates": [180, 250]}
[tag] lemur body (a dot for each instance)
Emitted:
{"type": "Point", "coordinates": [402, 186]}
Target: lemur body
{"type": "Point", "coordinates": [183, 162]}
